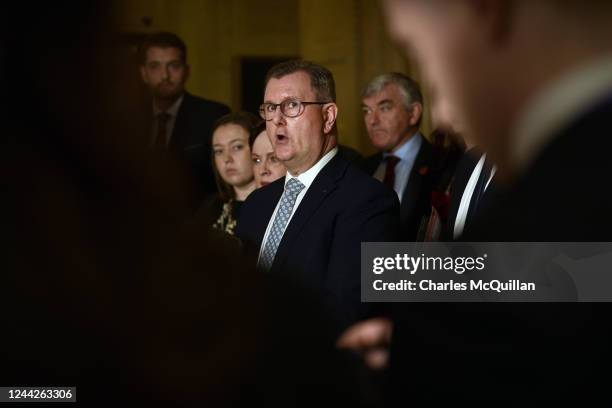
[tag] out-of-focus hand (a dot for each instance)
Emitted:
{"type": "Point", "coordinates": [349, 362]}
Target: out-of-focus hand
{"type": "Point", "coordinates": [370, 338]}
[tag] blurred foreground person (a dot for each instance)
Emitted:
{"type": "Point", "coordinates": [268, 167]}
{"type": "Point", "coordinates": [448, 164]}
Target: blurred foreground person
{"type": "Point", "coordinates": [532, 82]}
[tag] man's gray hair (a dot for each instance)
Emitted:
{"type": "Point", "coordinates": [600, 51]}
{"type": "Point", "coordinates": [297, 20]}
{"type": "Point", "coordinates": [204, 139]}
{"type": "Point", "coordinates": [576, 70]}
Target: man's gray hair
{"type": "Point", "coordinates": [321, 78]}
{"type": "Point", "coordinates": [408, 87]}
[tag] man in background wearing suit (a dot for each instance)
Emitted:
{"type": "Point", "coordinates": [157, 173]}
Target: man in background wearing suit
{"type": "Point", "coordinates": [392, 106]}
{"type": "Point", "coordinates": [472, 189]}
{"type": "Point", "coordinates": [309, 225]}
{"type": "Point", "coordinates": [180, 122]}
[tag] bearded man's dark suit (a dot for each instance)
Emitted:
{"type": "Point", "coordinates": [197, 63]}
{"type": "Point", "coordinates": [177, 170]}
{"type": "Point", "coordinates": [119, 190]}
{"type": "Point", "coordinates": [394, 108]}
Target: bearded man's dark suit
{"type": "Point", "coordinates": [191, 138]}
{"type": "Point", "coordinates": [320, 249]}
{"type": "Point", "coordinates": [415, 205]}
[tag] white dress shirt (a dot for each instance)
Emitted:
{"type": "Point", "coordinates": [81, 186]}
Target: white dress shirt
{"type": "Point", "coordinates": [306, 178]}
{"type": "Point", "coordinates": [407, 154]}
{"type": "Point", "coordinates": [464, 204]}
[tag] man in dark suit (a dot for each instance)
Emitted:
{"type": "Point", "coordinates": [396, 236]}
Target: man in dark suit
{"type": "Point", "coordinates": [472, 189]}
{"type": "Point", "coordinates": [309, 225]}
{"type": "Point", "coordinates": [180, 122]}
{"type": "Point", "coordinates": [463, 173]}
{"type": "Point", "coordinates": [393, 106]}
{"type": "Point", "coordinates": [533, 108]}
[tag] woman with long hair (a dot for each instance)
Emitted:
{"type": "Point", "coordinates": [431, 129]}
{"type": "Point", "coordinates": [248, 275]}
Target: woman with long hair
{"type": "Point", "coordinates": [233, 168]}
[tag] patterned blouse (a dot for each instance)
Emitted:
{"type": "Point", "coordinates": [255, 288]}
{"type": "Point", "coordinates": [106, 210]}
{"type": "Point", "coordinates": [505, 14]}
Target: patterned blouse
{"type": "Point", "coordinates": [228, 217]}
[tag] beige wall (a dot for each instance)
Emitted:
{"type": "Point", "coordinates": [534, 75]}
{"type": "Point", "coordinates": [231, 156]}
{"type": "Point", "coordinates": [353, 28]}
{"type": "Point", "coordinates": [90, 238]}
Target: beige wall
{"type": "Point", "coordinates": [347, 36]}
{"type": "Point", "coordinates": [336, 49]}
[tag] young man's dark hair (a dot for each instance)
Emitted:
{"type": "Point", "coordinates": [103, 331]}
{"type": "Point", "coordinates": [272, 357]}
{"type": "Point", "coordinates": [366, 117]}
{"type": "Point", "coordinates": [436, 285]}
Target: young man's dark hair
{"type": "Point", "coordinates": [163, 39]}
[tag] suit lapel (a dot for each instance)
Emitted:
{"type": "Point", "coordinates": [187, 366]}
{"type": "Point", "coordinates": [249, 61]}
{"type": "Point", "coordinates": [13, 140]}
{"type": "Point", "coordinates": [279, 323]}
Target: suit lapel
{"type": "Point", "coordinates": [325, 182]}
{"type": "Point", "coordinates": [371, 163]}
{"type": "Point", "coordinates": [464, 170]}
{"type": "Point", "coordinates": [269, 202]}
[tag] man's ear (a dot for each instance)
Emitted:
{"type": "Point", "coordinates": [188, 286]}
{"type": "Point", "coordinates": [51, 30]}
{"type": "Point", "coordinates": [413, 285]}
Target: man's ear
{"type": "Point", "coordinates": [330, 113]}
{"type": "Point", "coordinates": [416, 111]}
{"type": "Point", "coordinates": [497, 15]}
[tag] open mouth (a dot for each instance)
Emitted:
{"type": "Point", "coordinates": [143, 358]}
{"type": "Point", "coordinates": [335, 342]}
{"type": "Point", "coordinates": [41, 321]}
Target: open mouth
{"type": "Point", "coordinates": [281, 138]}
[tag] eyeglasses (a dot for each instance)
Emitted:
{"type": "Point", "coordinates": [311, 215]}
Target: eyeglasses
{"type": "Point", "coordinates": [290, 108]}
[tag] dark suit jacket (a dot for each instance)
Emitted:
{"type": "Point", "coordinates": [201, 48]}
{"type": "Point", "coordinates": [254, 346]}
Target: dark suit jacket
{"type": "Point", "coordinates": [464, 171]}
{"type": "Point", "coordinates": [351, 155]}
{"type": "Point", "coordinates": [533, 350]}
{"type": "Point", "coordinates": [191, 138]}
{"type": "Point", "coordinates": [564, 194]}
{"type": "Point", "coordinates": [416, 200]}
{"type": "Point", "coordinates": [321, 247]}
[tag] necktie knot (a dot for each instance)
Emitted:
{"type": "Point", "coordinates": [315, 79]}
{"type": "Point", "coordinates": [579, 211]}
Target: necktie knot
{"type": "Point", "coordinates": [294, 186]}
{"type": "Point", "coordinates": [391, 161]}
{"type": "Point", "coordinates": [162, 124]}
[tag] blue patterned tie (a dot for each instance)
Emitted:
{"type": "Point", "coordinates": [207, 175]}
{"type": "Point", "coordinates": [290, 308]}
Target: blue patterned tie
{"type": "Point", "coordinates": [287, 201]}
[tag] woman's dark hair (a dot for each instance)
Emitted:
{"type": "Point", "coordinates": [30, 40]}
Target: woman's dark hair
{"type": "Point", "coordinates": [248, 122]}
{"type": "Point", "coordinates": [257, 129]}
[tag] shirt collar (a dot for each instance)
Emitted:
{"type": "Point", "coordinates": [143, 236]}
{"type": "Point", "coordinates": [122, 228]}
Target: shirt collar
{"type": "Point", "coordinates": [410, 145]}
{"type": "Point", "coordinates": [557, 105]}
{"type": "Point", "coordinates": [172, 110]}
{"type": "Point", "coordinates": [309, 175]}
